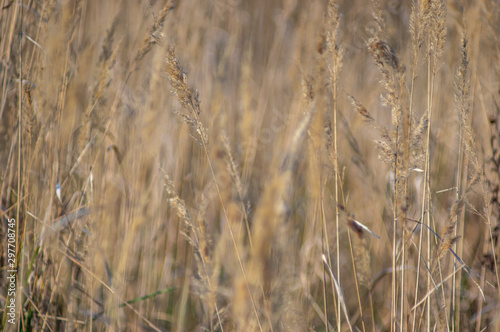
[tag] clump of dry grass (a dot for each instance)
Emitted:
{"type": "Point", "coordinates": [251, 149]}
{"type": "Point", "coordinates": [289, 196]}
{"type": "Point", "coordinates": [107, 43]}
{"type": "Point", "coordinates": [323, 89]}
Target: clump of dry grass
{"type": "Point", "coordinates": [268, 206]}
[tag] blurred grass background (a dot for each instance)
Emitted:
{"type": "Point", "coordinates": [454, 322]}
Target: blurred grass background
{"type": "Point", "coordinates": [229, 234]}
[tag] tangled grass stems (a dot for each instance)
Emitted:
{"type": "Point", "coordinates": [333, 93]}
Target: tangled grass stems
{"type": "Point", "coordinates": [284, 212]}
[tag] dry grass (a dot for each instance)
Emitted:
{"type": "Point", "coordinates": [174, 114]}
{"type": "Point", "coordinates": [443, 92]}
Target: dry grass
{"type": "Point", "coordinates": [251, 165]}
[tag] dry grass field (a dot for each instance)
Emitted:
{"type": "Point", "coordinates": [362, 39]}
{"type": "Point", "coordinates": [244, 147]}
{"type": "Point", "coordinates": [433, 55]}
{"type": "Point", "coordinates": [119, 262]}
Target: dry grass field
{"type": "Point", "coordinates": [232, 165]}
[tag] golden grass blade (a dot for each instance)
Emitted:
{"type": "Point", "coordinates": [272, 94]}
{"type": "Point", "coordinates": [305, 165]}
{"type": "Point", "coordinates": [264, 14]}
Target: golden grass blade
{"type": "Point", "coordinates": [338, 290]}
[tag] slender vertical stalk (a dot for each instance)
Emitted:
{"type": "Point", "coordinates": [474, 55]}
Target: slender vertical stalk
{"type": "Point", "coordinates": [336, 194]}
{"type": "Point", "coordinates": [402, 325]}
{"type": "Point", "coordinates": [427, 185]}
{"type": "Point", "coordinates": [326, 248]}
{"type": "Point", "coordinates": [461, 177]}
{"type": "Point", "coordinates": [356, 282]}
{"type": "Point", "coordinates": [19, 174]}
{"type": "Point", "coordinates": [394, 251]}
